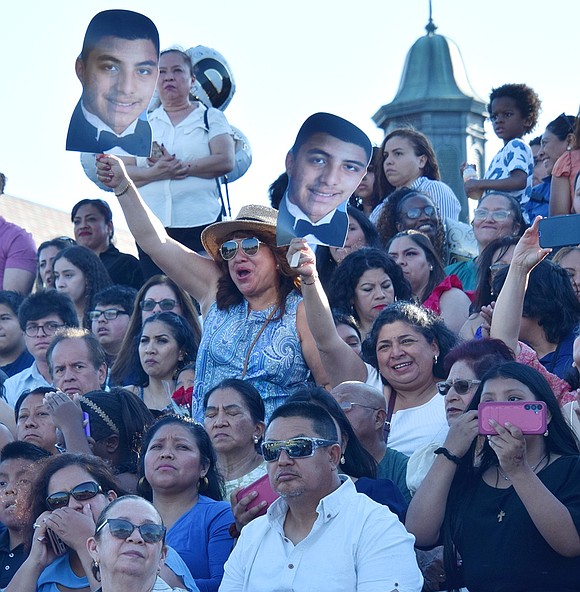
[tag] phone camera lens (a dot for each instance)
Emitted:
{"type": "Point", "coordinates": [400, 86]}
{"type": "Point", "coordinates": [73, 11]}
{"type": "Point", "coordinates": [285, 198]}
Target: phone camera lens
{"type": "Point", "coordinates": [527, 407]}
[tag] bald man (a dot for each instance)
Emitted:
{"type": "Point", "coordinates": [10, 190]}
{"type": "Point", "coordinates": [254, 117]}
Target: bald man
{"type": "Point", "coordinates": [366, 410]}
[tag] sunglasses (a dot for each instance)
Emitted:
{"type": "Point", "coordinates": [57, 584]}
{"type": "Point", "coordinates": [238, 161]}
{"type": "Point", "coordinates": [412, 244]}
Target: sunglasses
{"type": "Point", "coordinates": [123, 529]}
{"type": "Point", "coordinates": [461, 386]}
{"type": "Point", "coordinates": [82, 493]}
{"type": "Point", "coordinates": [109, 314]}
{"type": "Point", "coordinates": [346, 406]}
{"type": "Point", "coordinates": [294, 448]}
{"type": "Point", "coordinates": [165, 304]}
{"type": "Point", "coordinates": [250, 246]}
{"type": "Point", "coordinates": [497, 215]}
{"type": "Point", "coordinates": [414, 213]}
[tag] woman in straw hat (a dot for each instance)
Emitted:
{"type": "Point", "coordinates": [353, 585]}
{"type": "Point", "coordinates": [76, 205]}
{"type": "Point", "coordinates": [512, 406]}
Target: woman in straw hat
{"type": "Point", "coordinates": [254, 321]}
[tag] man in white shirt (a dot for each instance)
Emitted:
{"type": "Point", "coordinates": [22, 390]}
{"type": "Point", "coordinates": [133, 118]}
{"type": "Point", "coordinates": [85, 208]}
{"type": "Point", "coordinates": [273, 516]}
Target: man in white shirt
{"type": "Point", "coordinates": [321, 534]}
{"type": "Point", "coordinates": [326, 164]}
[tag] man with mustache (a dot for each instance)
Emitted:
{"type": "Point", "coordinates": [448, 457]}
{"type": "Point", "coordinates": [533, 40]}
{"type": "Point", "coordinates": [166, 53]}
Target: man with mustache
{"type": "Point", "coordinates": [320, 534]}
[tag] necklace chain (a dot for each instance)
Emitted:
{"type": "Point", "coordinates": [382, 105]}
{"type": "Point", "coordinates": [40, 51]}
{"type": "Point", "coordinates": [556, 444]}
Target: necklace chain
{"type": "Point", "coordinates": [507, 478]}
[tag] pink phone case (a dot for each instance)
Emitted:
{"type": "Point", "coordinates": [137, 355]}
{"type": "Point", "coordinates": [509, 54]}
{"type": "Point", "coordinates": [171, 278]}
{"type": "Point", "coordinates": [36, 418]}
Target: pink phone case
{"type": "Point", "coordinates": [529, 416]}
{"type": "Point", "coordinates": [265, 492]}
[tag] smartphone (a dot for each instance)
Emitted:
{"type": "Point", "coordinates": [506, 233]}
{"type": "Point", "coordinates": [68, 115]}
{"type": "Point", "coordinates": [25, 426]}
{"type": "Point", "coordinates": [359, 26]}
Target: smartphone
{"type": "Point", "coordinates": [559, 231]}
{"type": "Point", "coordinates": [529, 416]}
{"type": "Point", "coordinates": [56, 543]}
{"type": "Point", "coordinates": [265, 492]}
{"type": "Point", "coordinates": [86, 424]}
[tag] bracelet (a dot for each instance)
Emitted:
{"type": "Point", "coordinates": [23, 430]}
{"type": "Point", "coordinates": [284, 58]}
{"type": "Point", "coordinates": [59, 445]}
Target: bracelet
{"type": "Point", "coordinates": [447, 455]}
{"type": "Point", "coordinates": [124, 190]}
{"type": "Point", "coordinates": [313, 277]}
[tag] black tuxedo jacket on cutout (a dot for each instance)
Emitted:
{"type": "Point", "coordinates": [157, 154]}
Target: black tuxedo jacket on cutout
{"type": "Point", "coordinates": [81, 137]}
{"type": "Point", "coordinates": [332, 234]}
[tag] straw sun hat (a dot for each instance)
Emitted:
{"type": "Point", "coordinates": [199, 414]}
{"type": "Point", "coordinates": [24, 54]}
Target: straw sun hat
{"type": "Point", "coordinates": [250, 218]}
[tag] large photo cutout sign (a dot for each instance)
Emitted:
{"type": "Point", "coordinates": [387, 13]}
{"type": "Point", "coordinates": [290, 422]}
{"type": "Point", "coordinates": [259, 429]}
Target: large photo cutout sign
{"type": "Point", "coordinates": [325, 165]}
{"type": "Point", "coordinates": [118, 68]}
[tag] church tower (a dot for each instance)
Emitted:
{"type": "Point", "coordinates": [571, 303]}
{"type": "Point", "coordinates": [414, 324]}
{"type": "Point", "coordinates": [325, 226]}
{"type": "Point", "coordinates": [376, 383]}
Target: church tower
{"type": "Point", "coordinates": [436, 97]}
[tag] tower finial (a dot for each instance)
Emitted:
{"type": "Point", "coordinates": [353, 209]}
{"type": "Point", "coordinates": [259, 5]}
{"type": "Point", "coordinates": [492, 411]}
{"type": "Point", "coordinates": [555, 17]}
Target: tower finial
{"type": "Point", "coordinates": [430, 27]}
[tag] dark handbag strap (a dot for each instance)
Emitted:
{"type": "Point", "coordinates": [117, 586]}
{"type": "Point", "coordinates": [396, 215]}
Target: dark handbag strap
{"type": "Point", "coordinates": [390, 409]}
{"type": "Point", "coordinates": [228, 211]}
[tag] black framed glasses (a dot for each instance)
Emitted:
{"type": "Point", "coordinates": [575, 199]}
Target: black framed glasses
{"type": "Point", "coordinates": [123, 529]}
{"type": "Point", "coordinates": [109, 313]}
{"type": "Point", "coordinates": [49, 328]}
{"type": "Point", "coordinates": [347, 406]}
{"type": "Point", "coordinates": [82, 493]}
{"type": "Point", "coordinates": [414, 213]}
{"type": "Point", "coordinates": [294, 448]}
{"type": "Point", "coordinates": [250, 246]}
{"type": "Point", "coordinates": [165, 304]}
{"type": "Point", "coordinates": [461, 385]}
{"type": "Point", "coordinates": [497, 215]}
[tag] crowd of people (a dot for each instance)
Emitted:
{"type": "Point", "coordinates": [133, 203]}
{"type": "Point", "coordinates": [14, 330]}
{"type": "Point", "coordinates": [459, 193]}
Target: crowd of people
{"type": "Point", "coordinates": [225, 413]}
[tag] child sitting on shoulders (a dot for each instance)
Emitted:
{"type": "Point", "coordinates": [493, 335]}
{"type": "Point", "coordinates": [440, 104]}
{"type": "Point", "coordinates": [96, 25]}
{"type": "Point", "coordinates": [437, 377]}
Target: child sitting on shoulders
{"type": "Point", "coordinates": [513, 112]}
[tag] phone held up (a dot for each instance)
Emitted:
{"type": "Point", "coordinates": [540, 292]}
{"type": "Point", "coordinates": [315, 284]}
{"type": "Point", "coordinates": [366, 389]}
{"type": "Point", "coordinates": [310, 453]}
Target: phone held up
{"type": "Point", "coordinates": [559, 231]}
{"type": "Point", "coordinates": [529, 416]}
{"type": "Point", "coordinates": [265, 492]}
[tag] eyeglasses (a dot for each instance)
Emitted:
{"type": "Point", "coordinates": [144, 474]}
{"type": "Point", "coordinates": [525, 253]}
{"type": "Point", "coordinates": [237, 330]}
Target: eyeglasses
{"type": "Point", "coordinates": [165, 304]}
{"type": "Point", "coordinates": [346, 406]}
{"type": "Point", "coordinates": [250, 246]}
{"type": "Point", "coordinates": [123, 529]}
{"type": "Point", "coordinates": [109, 314]}
{"type": "Point", "coordinates": [48, 328]}
{"type": "Point", "coordinates": [462, 386]}
{"type": "Point", "coordinates": [414, 213]}
{"type": "Point", "coordinates": [82, 493]}
{"type": "Point", "coordinates": [294, 448]}
{"type": "Point", "coordinates": [497, 215]}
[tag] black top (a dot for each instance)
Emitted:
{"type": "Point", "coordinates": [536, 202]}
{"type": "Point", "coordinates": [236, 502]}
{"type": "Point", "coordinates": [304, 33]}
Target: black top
{"type": "Point", "coordinates": [123, 268]}
{"type": "Point", "coordinates": [501, 548]}
{"type": "Point", "coordinates": [23, 361]}
{"type": "Point", "coordinates": [10, 559]}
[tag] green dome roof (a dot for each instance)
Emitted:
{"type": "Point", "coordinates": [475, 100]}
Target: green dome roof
{"type": "Point", "coordinates": [434, 69]}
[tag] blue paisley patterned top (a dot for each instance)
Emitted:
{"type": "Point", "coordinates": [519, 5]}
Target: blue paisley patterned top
{"type": "Point", "coordinates": [276, 366]}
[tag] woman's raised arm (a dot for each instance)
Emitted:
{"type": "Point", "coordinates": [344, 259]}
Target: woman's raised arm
{"type": "Point", "coordinates": [195, 274]}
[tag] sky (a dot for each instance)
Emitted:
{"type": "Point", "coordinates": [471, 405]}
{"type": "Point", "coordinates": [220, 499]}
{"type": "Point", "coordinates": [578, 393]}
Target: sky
{"type": "Point", "coordinates": [289, 60]}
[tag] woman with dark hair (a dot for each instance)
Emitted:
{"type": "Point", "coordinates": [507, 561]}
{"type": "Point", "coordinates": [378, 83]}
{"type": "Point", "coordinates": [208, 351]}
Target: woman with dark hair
{"type": "Point", "coordinates": [407, 209]}
{"type": "Point", "coordinates": [520, 494]}
{"type": "Point", "coordinates": [407, 159]}
{"type": "Point", "coordinates": [361, 233]}
{"type": "Point", "coordinates": [538, 306]}
{"type": "Point", "coordinates": [117, 420]}
{"type": "Point", "coordinates": [67, 495]}
{"type": "Point", "coordinates": [365, 283]}
{"type": "Point", "coordinates": [78, 272]}
{"type": "Point", "coordinates": [180, 477]}
{"type": "Point", "coordinates": [234, 420]}
{"type": "Point", "coordinates": [195, 147]}
{"type": "Point", "coordinates": [93, 227]}
{"type": "Point", "coordinates": [496, 255]}
{"type": "Point", "coordinates": [404, 355]}
{"type": "Point", "coordinates": [158, 294]}
{"type": "Point", "coordinates": [366, 197]}
{"type": "Point", "coordinates": [45, 255]}
{"type": "Point", "coordinates": [565, 169]}
{"type": "Point", "coordinates": [166, 344]}
{"type": "Point", "coordinates": [497, 215]}
{"type": "Point", "coordinates": [568, 259]}
{"type": "Point", "coordinates": [423, 269]}
{"type": "Point", "coordinates": [255, 326]}
{"type": "Point", "coordinates": [348, 330]}
{"type": "Point", "coordinates": [34, 422]}
{"type": "Point", "coordinates": [556, 139]}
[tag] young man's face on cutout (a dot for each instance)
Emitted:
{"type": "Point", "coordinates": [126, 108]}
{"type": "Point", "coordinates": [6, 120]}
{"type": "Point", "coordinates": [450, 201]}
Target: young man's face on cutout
{"type": "Point", "coordinates": [324, 173]}
{"type": "Point", "coordinates": [118, 78]}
